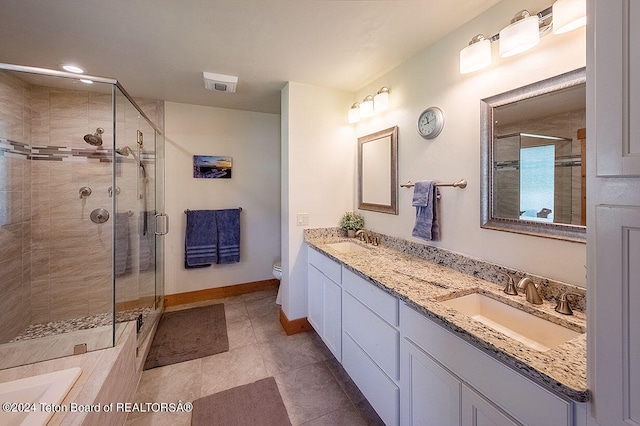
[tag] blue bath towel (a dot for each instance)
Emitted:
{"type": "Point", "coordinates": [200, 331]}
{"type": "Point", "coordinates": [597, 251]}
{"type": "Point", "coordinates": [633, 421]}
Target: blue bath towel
{"type": "Point", "coordinates": [201, 239]}
{"type": "Point", "coordinates": [228, 235]}
{"type": "Point", "coordinates": [425, 196]}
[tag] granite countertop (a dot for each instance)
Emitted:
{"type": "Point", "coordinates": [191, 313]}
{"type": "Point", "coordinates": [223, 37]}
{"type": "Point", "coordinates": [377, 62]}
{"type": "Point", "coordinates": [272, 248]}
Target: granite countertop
{"type": "Point", "coordinates": [423, 285]}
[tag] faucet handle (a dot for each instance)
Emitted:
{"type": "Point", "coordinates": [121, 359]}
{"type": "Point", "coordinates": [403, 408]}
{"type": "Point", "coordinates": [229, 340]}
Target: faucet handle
{"type": "Point", "coordinates": [563, 304]}
{"type": "Point", "coordinates": [510, 288]}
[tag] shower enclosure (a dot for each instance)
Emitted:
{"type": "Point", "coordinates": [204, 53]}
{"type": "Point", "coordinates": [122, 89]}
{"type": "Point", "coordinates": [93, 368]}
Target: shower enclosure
{"type": "Point", "coordinates": [81, 223]}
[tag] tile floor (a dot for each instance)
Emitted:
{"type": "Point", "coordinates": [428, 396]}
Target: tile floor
{"type": "Point", "coordinates": [314, 387]}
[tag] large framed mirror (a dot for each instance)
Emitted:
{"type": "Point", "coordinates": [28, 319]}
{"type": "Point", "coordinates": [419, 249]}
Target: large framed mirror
{"type": "Point", "coordinates": [378, 171]}
{"type": "Point", "coordinates": [533, 159]}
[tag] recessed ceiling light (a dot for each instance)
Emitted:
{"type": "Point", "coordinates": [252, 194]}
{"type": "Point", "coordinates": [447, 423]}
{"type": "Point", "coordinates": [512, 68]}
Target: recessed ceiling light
{"type": "Point", "coordinates": [72, 68]}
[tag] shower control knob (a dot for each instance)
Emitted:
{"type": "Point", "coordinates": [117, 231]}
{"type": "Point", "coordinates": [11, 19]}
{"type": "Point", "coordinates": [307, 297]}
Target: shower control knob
{"type": "Point", "coordinates": [99, 216]}
{"type": "Point", "coordinates": [85, 191]}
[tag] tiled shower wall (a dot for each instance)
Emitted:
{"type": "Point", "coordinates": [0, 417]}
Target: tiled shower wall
{"type": "Point", "coordinates": [568, 179]}
{"type": "Point", "coordinates": [55, 263]}
{"type": "Point", "coordinates": [15, 206]}
{"type": "Point", "coordinates": [71, 255]}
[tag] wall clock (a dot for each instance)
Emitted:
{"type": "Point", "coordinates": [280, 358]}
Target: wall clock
{"type": "Point", "coordinates": [430, 122]}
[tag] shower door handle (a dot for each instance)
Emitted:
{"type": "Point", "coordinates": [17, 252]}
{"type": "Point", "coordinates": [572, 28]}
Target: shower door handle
{"type": "Point", "coordinates": [166, 224]}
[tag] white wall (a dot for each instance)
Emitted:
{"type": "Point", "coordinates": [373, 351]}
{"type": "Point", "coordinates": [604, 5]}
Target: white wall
{"type": "Point", "coordinates": [432, 78]}
{"type": "Point", "coordinates": [253, 140]}
{"type": "Point", "coordinates": [318, 148]}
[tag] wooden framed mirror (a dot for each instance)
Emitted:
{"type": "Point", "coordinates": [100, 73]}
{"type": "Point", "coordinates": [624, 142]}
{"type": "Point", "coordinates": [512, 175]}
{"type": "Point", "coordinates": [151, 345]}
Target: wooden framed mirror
{"type": "Point", "coordinates": [378, 171]}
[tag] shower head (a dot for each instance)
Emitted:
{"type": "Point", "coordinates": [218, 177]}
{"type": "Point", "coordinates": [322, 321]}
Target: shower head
{"type": "Point", "coordinates": [96, 138]}
{"type": "Point", "coordinates": [126, 151]}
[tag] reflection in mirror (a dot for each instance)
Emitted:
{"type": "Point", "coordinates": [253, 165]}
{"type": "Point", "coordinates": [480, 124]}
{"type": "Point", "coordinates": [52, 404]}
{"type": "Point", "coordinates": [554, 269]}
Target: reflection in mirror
{"type": "Point", "coordinates": [378, 170]}
{"type": "Point", "coordinates": [533, 149]}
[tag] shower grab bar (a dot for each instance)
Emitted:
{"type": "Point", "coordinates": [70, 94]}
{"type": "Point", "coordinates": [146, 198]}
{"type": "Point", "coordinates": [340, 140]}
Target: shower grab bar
{"type": "Point", "coordinates": [462, 183]}
{"type": "Point", "coordinates": [187, 210]}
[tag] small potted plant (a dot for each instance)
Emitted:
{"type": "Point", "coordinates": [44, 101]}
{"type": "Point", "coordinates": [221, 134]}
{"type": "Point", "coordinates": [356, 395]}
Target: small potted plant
{"type": "Point", "coordinates": [351, 222]}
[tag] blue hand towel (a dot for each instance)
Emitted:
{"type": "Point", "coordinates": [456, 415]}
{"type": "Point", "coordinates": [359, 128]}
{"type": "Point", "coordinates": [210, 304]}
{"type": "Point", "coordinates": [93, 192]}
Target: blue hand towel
{"type": "Point", "coordinates": [201, 239]}
{"type": "Point", "coordinates": [228, 235]}
{"type": "Point", "coordinates": [425, 196]}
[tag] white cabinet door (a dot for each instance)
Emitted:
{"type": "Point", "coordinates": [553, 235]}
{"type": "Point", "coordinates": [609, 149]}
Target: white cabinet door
{"type": "Point", "coordinates": [477, 411]}
{"type": "Point", "coordinates": [617, 332]}
{"type": "Point", "coordinates": [315, 298]}
{"type": "Point", "coordinates": [324, 302]}
{"type": "Point", "coordinates": [613, 210]}
{"type": "Point", "coordinates": [332, 318]}
{"type": "Point", "coordinates": [430, 393]}
{"type": "Point", "coordinates": [615, 78]}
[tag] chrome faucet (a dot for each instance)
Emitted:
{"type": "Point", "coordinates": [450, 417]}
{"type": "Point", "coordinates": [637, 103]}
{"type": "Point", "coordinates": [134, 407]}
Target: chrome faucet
{"type": "Point", "coordinates": [531, 291]}
{"type": "Point", "coordinates": [362, 234]}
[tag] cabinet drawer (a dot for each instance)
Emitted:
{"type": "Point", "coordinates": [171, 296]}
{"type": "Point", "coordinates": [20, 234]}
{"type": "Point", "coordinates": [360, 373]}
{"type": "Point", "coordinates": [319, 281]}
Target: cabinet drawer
{"type": "Point", "coordinates": [380, 391]}
{"type": "Point", "coordinates": [379, 301]}
{"type": "Point", "coordinates": [515, 394]}
{"type": "Point", "coordinates": [325, 265]}
{"type": "Point", "coordinates": [378, 339]}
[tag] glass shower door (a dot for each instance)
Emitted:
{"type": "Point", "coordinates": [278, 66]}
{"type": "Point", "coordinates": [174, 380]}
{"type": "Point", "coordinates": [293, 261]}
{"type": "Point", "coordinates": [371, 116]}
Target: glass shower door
{"type": "Point", "coordinates": [139, 175]}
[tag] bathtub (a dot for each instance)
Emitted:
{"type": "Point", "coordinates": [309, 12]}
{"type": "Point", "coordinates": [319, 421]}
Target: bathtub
{"type": "Point", "coordinates": [34, 400]}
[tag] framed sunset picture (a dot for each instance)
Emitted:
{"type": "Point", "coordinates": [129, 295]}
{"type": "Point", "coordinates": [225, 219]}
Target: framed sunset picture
{"type": "Point", "coordinates": [212, 166]}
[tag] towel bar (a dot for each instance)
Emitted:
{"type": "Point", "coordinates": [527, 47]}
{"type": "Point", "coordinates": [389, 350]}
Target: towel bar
{"type": "Point", "coordinates": [188, 210]}
{"type": "Point", "coordinates": [462, 183]}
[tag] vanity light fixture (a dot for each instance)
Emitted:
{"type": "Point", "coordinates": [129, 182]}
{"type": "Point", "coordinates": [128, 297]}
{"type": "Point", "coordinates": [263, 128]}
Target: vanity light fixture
{"type": "Point", "coordinates": [354, 113]}
{"type": "Point", "coordinates": [381, 99]}
{"type": "Point", "coordinates": [523, 33]}
{"type": "Point", "coordinates": [569, 15]}
{"type": "Point", "coordinates": [476, 55]}
{"type": "Point", "coordinates": [369, 105]}
{"type": "Point", "coordinates": [366, 107]}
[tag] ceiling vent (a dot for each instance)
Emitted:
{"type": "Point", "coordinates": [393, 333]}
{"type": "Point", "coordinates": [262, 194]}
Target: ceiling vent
{"type": "Point", "coordinates": [220, 82]}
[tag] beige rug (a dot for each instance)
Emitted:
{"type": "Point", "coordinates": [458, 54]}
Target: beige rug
{"type": "Point", "coordinates": [257, 403]}
{"type": "Point", "coordinates": [188, 334]}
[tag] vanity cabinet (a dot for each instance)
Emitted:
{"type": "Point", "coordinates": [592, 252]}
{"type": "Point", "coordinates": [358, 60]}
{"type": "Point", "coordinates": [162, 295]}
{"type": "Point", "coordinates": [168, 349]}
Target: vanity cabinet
{"type": "Point", "coordinates": [324, 300]}
{"type": "Point", "coordinates": [491, 392]}
{"type": "Point", "coordinates": [371, 344]}
{"type": "Point", "coordinates": [412, 370]}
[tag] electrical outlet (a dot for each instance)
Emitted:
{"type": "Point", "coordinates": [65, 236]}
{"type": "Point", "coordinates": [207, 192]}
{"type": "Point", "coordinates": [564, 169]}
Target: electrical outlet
{"type": "Point", "coordinates": [303, 219]}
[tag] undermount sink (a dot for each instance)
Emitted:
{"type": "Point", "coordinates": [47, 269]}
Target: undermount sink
{"type": "Point", "coordinates": [530, 330]}
{"type": "Point", "coordinates": [347, 247]}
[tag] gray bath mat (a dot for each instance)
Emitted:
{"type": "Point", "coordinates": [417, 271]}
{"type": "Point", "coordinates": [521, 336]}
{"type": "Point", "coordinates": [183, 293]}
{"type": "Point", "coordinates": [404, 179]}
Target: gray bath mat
{"type": "Point", "coordinates": [257, 403]}
{"type": "Point", "coordinates": [188, 334]}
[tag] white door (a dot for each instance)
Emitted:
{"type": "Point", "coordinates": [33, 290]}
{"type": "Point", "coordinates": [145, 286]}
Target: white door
{"type": "Point", "coordinates": [613, 210]}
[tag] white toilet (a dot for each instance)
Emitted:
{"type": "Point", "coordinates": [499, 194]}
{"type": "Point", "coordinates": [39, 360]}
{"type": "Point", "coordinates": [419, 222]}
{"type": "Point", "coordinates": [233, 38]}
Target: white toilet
{"type": "Point", "coordinates": [277, 274]}
{"type": "Point", "coordinates": [277, 270]}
